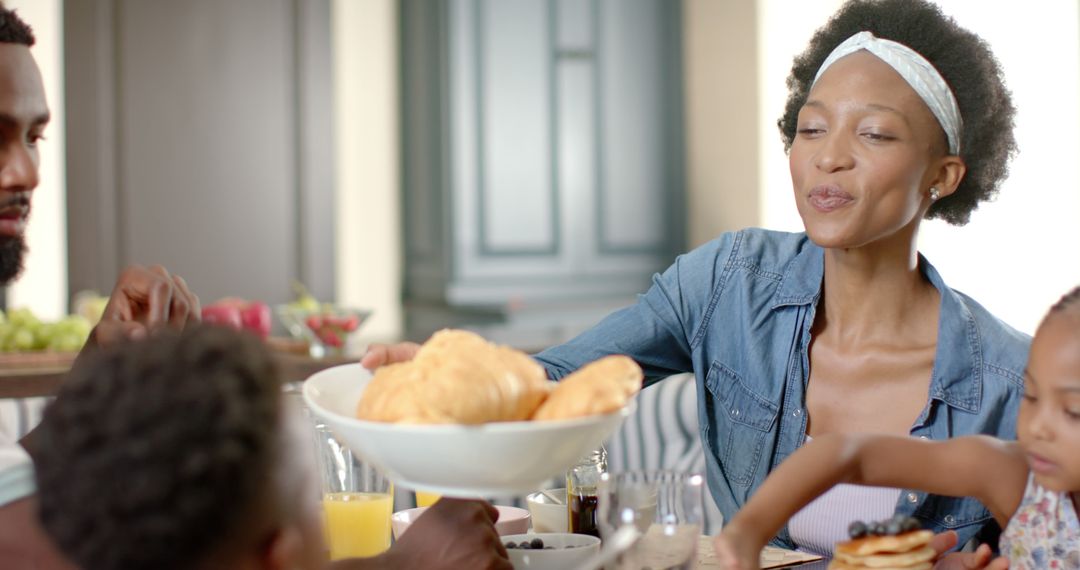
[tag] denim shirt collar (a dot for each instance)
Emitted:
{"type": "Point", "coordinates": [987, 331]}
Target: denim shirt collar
{"type": "Point", "coordinates": [958, 356]}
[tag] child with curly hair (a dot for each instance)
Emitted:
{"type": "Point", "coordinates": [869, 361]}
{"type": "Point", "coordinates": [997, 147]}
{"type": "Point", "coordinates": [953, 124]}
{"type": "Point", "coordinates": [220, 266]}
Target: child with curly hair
{"type": "Point", "coordinates": [179, 451]}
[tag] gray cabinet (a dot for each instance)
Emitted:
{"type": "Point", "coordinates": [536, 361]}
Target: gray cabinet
{"type": "Point", "coordinates": [543, 161]}
{"type": "Point", "coordinates": [199, 137]}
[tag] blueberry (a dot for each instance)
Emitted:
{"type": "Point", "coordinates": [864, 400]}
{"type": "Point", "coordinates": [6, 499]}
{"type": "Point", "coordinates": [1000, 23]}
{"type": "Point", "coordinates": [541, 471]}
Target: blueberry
{"type": "Point", "coordinates": [510, 545]}
{"type": "Point", "coordinates": [877, 529]}
{"type": "Point", "coordinates": [537, 544]}
{"type": "Point", "coordinates": [857, 529]}
{"type": "Point", "coordinates": [893, 527]}
{"type": "Point", "coordinates": [911, 523]}
{"type": "Point", "coordinates": [525, 545]}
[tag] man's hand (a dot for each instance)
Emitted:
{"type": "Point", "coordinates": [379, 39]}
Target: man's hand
{"type": "Point", "coordinates": [144, 299]}
{"type": "Point", "coordinates": [452, 534]}
{"type": "Point", "coordinates": [382, 354]}
{"type": "Point", "coordinates": [982, 558]}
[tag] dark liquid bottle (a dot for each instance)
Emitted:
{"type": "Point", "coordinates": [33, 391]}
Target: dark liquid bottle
{"type": "Point", "coordinates": [583, 515]}
{"type": "Point", "coordinates": [581, 497]}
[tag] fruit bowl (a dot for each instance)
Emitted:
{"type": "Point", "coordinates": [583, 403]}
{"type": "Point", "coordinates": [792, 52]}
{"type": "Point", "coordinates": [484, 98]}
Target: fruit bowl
{"type": "Point", "coordinates": [498, 459]}
{"type": "Point", "coordinates": [326, 328]}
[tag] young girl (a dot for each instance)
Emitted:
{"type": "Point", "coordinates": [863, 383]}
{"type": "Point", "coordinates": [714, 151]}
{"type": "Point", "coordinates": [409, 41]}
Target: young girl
{"type": "Point", "coordinates": [1030, 485]}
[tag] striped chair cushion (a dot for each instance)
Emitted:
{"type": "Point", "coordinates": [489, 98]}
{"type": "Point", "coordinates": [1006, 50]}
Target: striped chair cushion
{"type": "Point", "coordinates": [663, 434]}
{"type": "Point", "coordinates": [18, 416]}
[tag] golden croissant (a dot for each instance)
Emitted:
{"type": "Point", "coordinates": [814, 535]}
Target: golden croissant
{"type": "Point", "coordinates": [600, 387]}
{"type": "Point", "coordinates": [456, 377]}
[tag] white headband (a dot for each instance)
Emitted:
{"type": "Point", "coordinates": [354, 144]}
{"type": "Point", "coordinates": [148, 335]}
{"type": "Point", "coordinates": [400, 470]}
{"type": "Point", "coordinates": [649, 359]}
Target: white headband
{"type": "Point", "coordinates": [919, 73]}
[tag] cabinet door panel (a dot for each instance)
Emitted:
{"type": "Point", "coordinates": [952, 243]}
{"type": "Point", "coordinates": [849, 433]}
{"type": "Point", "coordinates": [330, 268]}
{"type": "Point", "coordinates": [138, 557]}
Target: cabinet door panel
{"type": "Point", "coordinates": [208, 175]}
{"type": "Point", "coordinates": [632, 188]}
{"type": "Point", "coordinates": [577, 159]}
{"type": "Point", "coordinates": [199, 138]}
{"type": "Point", "coordinates": [516, 190]}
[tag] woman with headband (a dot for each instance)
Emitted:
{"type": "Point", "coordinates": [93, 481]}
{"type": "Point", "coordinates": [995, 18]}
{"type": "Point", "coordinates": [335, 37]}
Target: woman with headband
{"type": "Point", "coordinates": [895, 115]}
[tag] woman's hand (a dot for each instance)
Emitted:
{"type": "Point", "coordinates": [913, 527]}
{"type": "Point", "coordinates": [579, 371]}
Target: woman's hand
{"type": "Point", "coordinates": [982, 558]}
{"type": "Point", "coordinates": [382, 354]}
{"type": "Point", "coordinates": [734, 551]}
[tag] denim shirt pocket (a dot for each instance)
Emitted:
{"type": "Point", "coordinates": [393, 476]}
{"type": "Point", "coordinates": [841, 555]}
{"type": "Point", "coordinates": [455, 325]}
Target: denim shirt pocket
{"type": "Point", "coordinates": [941, 513]}
{"type": "Point", "coordinates": [741, 421]}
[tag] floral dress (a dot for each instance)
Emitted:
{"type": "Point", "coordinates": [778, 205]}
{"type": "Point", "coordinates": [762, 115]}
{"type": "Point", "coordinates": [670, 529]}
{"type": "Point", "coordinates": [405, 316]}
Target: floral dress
{"type": "Point", "coordinates": [1044, 533]}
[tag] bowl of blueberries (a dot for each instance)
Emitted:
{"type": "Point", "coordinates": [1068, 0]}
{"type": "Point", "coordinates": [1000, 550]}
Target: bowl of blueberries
{"type": "Point", "coordinates": [550, 550]}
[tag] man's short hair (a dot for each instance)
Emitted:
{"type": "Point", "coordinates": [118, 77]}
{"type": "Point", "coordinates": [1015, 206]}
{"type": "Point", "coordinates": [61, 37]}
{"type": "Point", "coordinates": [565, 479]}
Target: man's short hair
{"type": "Point", "coordinates": [13, 30]}
{"type": "Point", "coordinates": [157, 454]}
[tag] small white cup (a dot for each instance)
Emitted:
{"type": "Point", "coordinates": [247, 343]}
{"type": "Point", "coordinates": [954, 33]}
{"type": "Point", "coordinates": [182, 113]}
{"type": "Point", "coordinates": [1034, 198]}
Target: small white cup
{"type": "Point", "coordinates": [548, 516]}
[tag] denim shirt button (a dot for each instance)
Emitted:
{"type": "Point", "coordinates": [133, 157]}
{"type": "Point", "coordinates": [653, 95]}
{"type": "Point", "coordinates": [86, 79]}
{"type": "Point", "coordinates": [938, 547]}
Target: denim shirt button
{"type": "Point", "coordinates": [913, 498]}
{"type": "Point", "coordinates": [735, 412]}
{"type": "Point", "coordinates": [797, 413]}
{"type": "Point", "coordinates": [949, 519]}
{"type": "Point", "coordinates": [923, 437]}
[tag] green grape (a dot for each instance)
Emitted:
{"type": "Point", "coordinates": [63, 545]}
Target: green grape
{"type": "Point", "coordinates": [66, 342]}
{"type": "Point", "coordinates": [22, 340]}
{"type": "Point", "coordinates": [6, 332]}
{"type": "Point", "coordinates": [23, 331]}
{"type": "Point", "coordinates": [77, 325]}
{"type": "Point", "coordinates": [22, 316]}
{"type": "Point", "coordinates": [43, 334]}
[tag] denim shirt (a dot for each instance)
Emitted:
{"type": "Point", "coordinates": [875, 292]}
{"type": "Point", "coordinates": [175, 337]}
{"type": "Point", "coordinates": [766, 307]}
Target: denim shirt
{"type": "Point", "coordinates": [737, 312]}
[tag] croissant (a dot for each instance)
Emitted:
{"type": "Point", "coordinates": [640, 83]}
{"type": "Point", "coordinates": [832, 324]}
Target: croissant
{"type": "Point", "coordinates": [456, 377]}
{"type": "Point", "coordinates": [600, 387]}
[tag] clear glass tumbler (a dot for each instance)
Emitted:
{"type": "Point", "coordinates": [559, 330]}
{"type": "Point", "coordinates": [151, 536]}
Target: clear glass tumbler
{"type": "Point", "coordinates": [357, 500]}
{"type": "Point", "coordinates": [664, 507]}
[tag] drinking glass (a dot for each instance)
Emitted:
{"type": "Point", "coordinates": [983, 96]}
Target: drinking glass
{"type": "Point", "coordinates": [666, 510]}
{"type": "Point", "coordinates": [357, 500]}
{"type": "Point", "coordinates": [426, 498]}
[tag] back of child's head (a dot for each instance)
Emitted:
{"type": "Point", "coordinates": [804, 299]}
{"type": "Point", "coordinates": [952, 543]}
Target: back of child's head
{"type": "Point", "coordinates": [158, 454]}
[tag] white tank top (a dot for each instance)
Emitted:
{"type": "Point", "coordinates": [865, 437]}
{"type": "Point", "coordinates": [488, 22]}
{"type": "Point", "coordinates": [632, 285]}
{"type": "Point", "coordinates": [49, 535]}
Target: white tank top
{"type": "Point", "coordinates": [821, 524]}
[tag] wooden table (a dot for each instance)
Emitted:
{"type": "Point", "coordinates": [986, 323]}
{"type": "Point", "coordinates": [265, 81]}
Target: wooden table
{"type": "Point", "coordinates": [771, 557]}
{"type": "Point", "coordinates": [40, 374]}
{"type": "Point", "coordinates": [665, 547]}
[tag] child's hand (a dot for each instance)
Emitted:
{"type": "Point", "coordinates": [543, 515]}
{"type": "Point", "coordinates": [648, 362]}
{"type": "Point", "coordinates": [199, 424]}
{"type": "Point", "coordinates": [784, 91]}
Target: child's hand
{"type": "Point", "coordinates": [736, 552]}
{"type": "Point", "coordinates": [981, 559]}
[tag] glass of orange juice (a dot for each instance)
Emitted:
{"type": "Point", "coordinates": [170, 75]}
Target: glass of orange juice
{"type": "Point", "coordinates": [426, 498]}
{"type": "Point", "coordinates": [357, 500]}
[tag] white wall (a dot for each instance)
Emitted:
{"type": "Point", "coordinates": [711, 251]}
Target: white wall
{"type": "Point", "coordinates": [1022, 252]}
{"type": "Point", "coordinates": [367, 162]}
{"type": "Point", "coordinates": [720, 66]}
{"type": "Point", "coordinates": [43, 285]}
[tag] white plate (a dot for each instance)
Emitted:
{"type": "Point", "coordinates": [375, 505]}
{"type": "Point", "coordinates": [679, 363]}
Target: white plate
{"type": "Point", "coordinates": [494, 459]}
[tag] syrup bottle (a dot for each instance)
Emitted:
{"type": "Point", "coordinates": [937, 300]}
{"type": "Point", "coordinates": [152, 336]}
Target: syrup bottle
{"type": "Point", "coordinates": [581, 492]}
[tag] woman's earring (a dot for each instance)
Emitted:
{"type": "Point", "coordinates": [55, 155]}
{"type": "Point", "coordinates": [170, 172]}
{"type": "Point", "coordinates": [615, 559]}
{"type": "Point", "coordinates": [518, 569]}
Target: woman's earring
{"type": "Point", "coordinates": [934, 194]}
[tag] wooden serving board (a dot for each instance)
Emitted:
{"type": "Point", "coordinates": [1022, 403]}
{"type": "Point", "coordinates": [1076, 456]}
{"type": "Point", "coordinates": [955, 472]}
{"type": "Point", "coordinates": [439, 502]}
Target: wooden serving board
{"type": "Point", "coordinates": [35, 360]}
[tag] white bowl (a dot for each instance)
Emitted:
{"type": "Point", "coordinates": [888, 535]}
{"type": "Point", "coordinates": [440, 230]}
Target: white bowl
{"type": "Point", "coordinates": [493, 459]}
{"type": "Point", "coordinates": [569, 551]}
{"type": "Point", "coordinates": [512, 520]}
{"type": "Point", "coordinates": [548, 516]}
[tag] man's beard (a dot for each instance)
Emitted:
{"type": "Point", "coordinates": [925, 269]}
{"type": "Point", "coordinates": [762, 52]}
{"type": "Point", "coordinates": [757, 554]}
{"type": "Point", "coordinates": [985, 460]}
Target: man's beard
{"type": "Point", "coordinates": [12, 250]}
